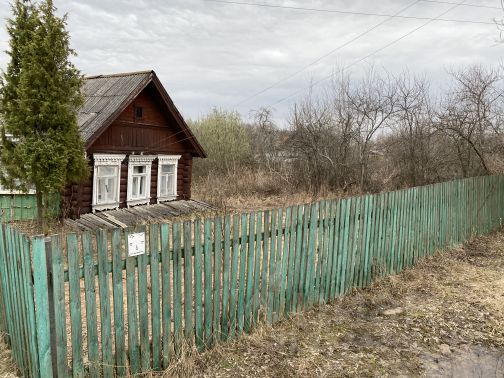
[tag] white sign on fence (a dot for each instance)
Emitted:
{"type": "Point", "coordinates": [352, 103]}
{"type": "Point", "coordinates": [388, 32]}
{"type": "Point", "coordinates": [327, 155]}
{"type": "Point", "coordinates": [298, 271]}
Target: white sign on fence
{"type": "Point", "coordinates": [136, 244]}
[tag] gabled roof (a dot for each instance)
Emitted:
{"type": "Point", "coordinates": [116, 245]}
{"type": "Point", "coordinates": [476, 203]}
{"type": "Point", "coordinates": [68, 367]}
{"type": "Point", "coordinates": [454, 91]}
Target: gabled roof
{"type": "Point", "coordinates": [106, 96]}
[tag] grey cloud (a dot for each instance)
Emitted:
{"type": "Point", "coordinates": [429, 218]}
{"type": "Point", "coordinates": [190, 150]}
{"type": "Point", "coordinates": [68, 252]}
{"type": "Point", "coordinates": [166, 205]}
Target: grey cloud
{"type": "Point", "coordinates": [210, 54]}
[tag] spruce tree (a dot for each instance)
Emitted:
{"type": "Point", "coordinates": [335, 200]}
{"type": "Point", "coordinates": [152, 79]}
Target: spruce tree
{"type": "Point", "coordinates": [40, 94]}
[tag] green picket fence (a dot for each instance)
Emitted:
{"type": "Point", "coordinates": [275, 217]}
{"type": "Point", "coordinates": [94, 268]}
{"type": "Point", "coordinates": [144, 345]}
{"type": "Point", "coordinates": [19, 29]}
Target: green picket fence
{"type": "Point", "coordinates": [20, 207]}
{"type": "Point", "coordinates": [78, 305]}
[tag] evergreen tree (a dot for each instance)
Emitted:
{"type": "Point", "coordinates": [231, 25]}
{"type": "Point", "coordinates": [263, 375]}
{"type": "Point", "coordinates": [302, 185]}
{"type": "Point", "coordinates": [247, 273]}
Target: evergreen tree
{"type": "Point", "coordinates": [40, 94]}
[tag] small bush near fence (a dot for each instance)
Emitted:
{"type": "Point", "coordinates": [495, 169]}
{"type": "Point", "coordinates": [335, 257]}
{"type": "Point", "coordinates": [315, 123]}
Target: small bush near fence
{"type": "Point", "coordinates": [78, 305]}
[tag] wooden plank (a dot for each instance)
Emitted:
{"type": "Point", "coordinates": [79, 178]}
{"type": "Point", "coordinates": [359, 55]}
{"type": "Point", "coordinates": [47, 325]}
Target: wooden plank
{"type": "Point", "coordinates": [327, 266]}
{"type": "Point", "coordinates": [208, 255]}
{"type": "Point", "coordinates": [304, 258]}
{"type": "Point", "coordinates": [291, 261]}
{"type": "Point", "coordinates": [265, 261]}
{"type": "Point", "coordinates": [40, 280]}
{"type": "Point", "coordinates": [217, 278]}
{"type": "Point", "coordinates": [177, 289]}
{"type": "Point", "coordinates": [188, 283]}
{"type": "Point", "coordinates": [334, 246]}
{"type": "Point", "coordinates": [59, 307]}
{"type": "Point", "coordinates": [75, 304]}
{"type": "Point", "coordinates": [131, 296]}
{"type": "Point", "coordinates": [242, 277]}
{"type": "Point", "coordinates": [155, 297]}
{"type": "Point", "coordinates": [117, 288]}
{"type": "Point", "coordinates": [225, 278]}
{"type": "Point", "coordinates": [271, 267]}
{"type": "Point", "coordinates": [310, 270]}
{"type": "Point", "coordinates": [250, 275]}
{"type": "Point", "coordinates": [90, 295]}
{"type": "Point", "coordinates": [257, 268]}
{"type": "Point", "coordinates": [285, 260]}
{"type": "Point", "coordinates": [105, 316]}
{"type": "Point", "coordinates": [297, 259]}
{"type": "Point", "coordinates": [234, 277]}
{"type": "Point", "coordinates": [166, 293]}
{"type": "Point", "coordinates": [319, 252]}
{"type": "Point", "coordinates": [143, 307]}
{"type": "Point", "coordinates": [198, 288]}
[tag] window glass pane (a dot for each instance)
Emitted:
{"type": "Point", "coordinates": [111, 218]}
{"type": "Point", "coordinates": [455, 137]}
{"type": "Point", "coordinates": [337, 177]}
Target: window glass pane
{"type": "Point", "coordinates": [139, 169]}
{"type": "Point", "coordinates": [107, 171]}
{"type": "Point", "coordinates": [106, 189]}
{"type": "Point", "coordinates": [171, 179]}
{"type": "Point", "coordinates": [163, 185]}
{"type": "Point", "coordinates": [134, 186]}
{"type": "Point", "coordinates": [168, 168]}
{"type": "Point", "coordinates": [141, 189]}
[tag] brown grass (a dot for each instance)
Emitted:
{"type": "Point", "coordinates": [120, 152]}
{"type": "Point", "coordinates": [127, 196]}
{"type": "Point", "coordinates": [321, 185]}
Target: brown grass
{"type": "Point", "coordinates": [450, 322]}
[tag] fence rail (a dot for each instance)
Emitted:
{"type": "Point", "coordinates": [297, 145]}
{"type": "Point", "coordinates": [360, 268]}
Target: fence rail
{"type": "Point", "coordinates": [76, 305]}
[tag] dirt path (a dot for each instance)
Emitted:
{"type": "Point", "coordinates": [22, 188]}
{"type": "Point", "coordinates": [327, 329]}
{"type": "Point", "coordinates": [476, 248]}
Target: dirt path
{"type": "Point", "coordinates": [443, 318]}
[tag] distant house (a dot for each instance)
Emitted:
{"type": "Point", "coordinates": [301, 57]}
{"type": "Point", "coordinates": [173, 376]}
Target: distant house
{"type": "Point", "coordinates": [139, 147]}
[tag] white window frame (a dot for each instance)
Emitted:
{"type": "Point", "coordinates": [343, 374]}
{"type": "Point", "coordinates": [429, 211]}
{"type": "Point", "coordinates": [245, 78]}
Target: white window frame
{"type": "Point", "coordinates": [101, 160]}
{"type": "Point", "coordinates": [136, 160]}
{"type": "Point", "coordinates": [163, 160]}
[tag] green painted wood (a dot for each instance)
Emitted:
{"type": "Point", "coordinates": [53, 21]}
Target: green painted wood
{"type": "Point", "coordinates": [327, 270]}
{"type": "Point", "coordinates": [177, 290]}
{"type": "Point", "coordinates": [265, 262]}
{"type": "Point", "coordinates": [208, 256]}
{"type": "Point", "coordinates": [118, 295]}
{"type": "Point", "coordinates": [132, 310]}
{"type": "Point", "coordinates": [90, 295]}
{"type": "Point", "coordinates": [225, 278]}
{"type": "Point", "coordinates": [304, 258]}
{"type": "Point", "coordinates": [198, 287]}
{"type": "Point", "coordinates": [40, 281]}
{"type": "Point", "coordinates": [257, 269]}
{"type": "Point", "coordinates": [26, 272]}
{"type": "Point", "coordinates": [271, 268]}
{"type": "Point", "coordinates": [188, 284]}
{"type": "Point", "coordinates": [233, 297]}
{"type": "Point", "coordinates": [143, 305]}
{"type": "Point", "coordinates": [105, 315]}
{"type": "Point", "coordinates": [155, 297]}
{"type": "Point", "coordinates": [319, 252]}
{"type": "Point", "coordinates": [241, 280]}
{"type": "Point", "coordinates": [343, 245]}
{"type": "Point", "coordinates": [296, 293]}
{"type": "Point", "coordinates": [310, 264]}
{"type": "Point", "coordinates": [369, 239]}
{"type": "Point", "coordinates": [6, 288]}
{"type": "Point", "coordinates": [250, 275]}
{"type": "Point", "coordinates": [357, 230]}
{"type": "Point", "coordinates": [334, 246]}
{"type": "Point", "coordinates": [278, 266]}
{"type": "Point", "coordinates": [285, 260]}
{"type": "Point", "coordinates": [291, 261]}
{"type": "Point", "coordinates": [59, 306]}
{"type": "Point", "coordinates": [166, 258]}
{"type": "Point", "coordinates": [217, 294]}
{"type": "Point", "coordinates": [132, 318]}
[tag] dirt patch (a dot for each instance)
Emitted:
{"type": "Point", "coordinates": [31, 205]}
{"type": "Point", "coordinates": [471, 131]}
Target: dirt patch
{"type": "Point", "coordinates": [443, 318]}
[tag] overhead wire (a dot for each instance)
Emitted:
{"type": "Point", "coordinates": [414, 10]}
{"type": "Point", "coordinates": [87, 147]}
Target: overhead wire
{"type": "Point", "coordinates": [355, 13]}
{"type": "Point", "coordinates": [320, 58]}
{"type": "Point", "coordinates": [367, 56]}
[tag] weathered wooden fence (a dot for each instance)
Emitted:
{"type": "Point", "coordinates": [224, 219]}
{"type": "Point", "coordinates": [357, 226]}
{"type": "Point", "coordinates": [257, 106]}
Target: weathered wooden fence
{"type": "Point", "coordinates": [79, 305]}
{"type": "Point", "coordinates": [17, 207]}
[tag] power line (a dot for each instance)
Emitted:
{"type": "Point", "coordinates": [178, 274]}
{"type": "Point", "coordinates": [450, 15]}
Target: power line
{"type": "Point", "coordinates": [229, 2]}
{"type": "Point", "coordinates": [464, 5]}
{"type": "Point", "coordinates": [369, 55]}
{"type": "Point", "coordinates": [286, 78]}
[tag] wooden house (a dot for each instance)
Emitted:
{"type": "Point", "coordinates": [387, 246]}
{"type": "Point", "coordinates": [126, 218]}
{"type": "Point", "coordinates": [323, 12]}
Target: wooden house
{"type": "Point", "coordinates": [139, 147]}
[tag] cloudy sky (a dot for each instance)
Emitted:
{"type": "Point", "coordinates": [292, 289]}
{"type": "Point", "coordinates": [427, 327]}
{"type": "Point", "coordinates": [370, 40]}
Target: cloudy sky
{"type": "Point", "coordinates": [216, 54]}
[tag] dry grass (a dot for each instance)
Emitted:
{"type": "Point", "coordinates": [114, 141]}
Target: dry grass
{"type": "Point", "coordinates": [7, 366]}
{"type": "Point", "coordinates": [449, 321]}
{"type": "Point", "coordinates": [250, 190]}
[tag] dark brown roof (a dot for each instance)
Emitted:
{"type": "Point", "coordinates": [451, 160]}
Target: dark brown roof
{"type": "Point", "coordinates": [106, 96]}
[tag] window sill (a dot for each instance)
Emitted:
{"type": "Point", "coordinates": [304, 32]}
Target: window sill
{"type": "Point", "coordinates": [106, 206]}
{"type": "Point", "coordinates": [142, 201]}
{"type": "Point", "coordinates": [166, 198]}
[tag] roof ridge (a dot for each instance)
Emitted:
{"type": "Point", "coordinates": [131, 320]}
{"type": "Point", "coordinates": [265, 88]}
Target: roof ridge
{"type": "Point", "coordinates": [119, 74]}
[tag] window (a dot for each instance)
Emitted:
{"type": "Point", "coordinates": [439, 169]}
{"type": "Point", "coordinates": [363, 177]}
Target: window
{"type": "Point", "coordinates": [107, 174]}
{"type": "Point", "coordinates": [167, 177]}
{"type": "Point", "coordinates": [138, 112]}
{"type": "Point", "coordinates": [139, 178]}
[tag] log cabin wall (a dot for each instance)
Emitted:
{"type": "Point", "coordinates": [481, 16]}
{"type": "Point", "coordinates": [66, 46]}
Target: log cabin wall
{"type": "Point", "coordinates": [154, 134]}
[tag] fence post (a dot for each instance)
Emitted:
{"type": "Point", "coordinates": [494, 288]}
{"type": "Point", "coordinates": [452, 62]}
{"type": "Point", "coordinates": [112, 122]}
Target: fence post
{"type": "Point", "coordinates": [42, 292]}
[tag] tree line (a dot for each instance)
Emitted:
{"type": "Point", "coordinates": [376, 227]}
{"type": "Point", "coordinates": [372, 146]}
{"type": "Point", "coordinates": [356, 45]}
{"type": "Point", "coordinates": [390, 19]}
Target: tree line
{"type": "Point", "coordinates": [377, 132]}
